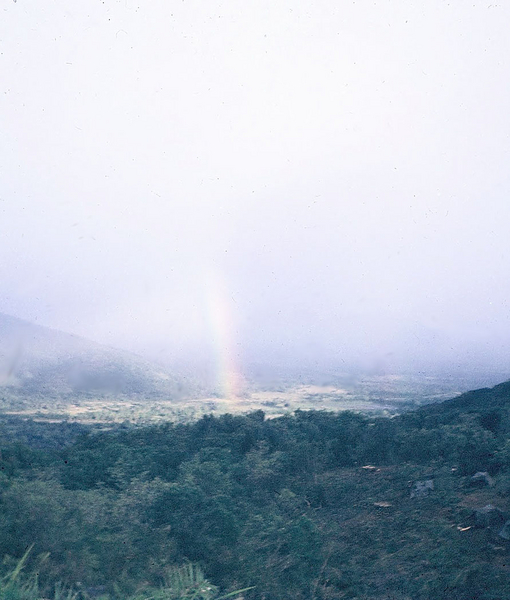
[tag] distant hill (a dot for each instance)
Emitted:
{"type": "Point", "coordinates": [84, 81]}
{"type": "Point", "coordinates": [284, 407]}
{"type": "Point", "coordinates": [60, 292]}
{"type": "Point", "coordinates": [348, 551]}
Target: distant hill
{"type": "Point", "coordinates": [474, 401]}
{"type": "Point", "coordinates": [484, 398]}
{"type": "Point", "coordinates": [38, 361]}
{"type": "Point", "coordinates": [489, 407]}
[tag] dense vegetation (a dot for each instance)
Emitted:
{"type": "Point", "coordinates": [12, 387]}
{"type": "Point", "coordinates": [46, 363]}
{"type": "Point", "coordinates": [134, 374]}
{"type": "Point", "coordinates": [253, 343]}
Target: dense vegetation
{"type": "Point", "coordinates": [308, 506]}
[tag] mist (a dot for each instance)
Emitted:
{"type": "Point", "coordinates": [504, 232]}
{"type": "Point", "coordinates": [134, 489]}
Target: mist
{"type": "Point", "coordinates": [310, 185]}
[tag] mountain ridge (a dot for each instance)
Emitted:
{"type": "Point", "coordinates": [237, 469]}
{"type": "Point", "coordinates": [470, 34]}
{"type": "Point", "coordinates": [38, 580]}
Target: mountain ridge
{"type": "Point", "coordinates": [35, 359]}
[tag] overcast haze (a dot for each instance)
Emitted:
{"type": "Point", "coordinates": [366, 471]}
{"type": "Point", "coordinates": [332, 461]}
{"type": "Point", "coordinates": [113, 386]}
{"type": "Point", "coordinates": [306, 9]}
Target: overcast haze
{"type": "Point", "coordinates": [303, 182]}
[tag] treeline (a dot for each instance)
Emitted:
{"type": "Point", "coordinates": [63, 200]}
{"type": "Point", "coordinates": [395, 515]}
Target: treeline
{"type": "Point", "coordinates": [313, 505]}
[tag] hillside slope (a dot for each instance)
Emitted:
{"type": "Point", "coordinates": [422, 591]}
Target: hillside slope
{"type": "Point", "coordinates": [40, 362]}
{"type": "Point", "coordinates": [489, 407]}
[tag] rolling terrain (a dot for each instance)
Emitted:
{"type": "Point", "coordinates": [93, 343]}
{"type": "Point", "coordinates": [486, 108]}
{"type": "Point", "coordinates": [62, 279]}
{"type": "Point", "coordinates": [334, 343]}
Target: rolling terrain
{"type": "Point", "coordinates": [43, 367]}
{"type": "Point", "coordinates": [52, 375]}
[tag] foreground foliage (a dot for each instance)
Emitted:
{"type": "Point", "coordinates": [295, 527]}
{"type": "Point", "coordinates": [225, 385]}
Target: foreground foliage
{"type": "Point", "coordinates": [310, 506]}
{"type": "Point", "coordinates": [180, 583]}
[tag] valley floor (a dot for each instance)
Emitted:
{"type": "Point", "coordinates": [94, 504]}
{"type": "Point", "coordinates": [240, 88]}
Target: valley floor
{"type": "Point", "coordinates": [375, 394]}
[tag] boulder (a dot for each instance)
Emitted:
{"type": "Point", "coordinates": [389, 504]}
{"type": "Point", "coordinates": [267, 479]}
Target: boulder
{"type": "Point", "coordinates": [383, 504]}
{"type": "Point", "coordinates": [505, 531]}
{"type": "Point", "coordinates": [489, 517]}
{"type": "Point", "coordinates": [481, 479]}
{"type": "Point", "coordinates": [422, 488]}
{"type": "Point", "coordinates": [370, 468]}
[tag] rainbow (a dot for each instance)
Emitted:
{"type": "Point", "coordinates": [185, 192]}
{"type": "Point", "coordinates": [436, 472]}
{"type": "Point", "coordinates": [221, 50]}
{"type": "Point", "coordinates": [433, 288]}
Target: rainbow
{"type": "Point", "coordinates": [220, 317]}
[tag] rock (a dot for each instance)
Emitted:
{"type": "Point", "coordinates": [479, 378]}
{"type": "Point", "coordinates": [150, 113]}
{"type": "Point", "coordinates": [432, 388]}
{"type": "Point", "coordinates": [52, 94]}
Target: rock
{"type": "Point", "coordinates": [422, 488]}
{"type": "Point", "coordinates": [505, 531]}
{"type": "Point", "coordinates": [481, 479]}
{"type": "Point", "coordinates": [489, 517]}
{"type": "Point", "coordinates": [497, 548]}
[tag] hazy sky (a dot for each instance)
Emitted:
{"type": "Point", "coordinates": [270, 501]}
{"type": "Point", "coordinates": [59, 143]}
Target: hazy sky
{"type": "Point", "coordinates": [296, 180]}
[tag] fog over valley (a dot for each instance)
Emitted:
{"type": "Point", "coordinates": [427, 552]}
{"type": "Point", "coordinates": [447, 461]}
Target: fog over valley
{"type": "Point", "coordinates": [279, 188]}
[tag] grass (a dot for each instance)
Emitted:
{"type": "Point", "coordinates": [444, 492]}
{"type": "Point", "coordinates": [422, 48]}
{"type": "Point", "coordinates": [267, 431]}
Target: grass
{"type": "Point", "coordinates": [186, 582]}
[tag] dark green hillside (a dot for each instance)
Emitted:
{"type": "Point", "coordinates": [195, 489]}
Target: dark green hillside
{"type": "Point", "coordinates": [310, 506]}
{"type": "Point", "coordinates": [477, 401]}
